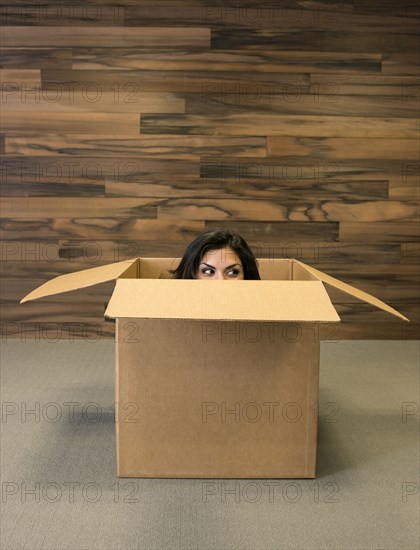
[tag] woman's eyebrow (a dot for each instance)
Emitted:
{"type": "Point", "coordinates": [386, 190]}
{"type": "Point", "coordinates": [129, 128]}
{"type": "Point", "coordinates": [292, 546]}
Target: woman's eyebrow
{"type": "Point", "coordinates": [228, 267]}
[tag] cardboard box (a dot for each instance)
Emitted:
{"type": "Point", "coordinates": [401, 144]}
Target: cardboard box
{"type": "Point", "coordinates": [215, 379]}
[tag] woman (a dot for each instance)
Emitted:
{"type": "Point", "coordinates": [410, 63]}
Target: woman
{"type": "Point", "coordinates": [217, 254]}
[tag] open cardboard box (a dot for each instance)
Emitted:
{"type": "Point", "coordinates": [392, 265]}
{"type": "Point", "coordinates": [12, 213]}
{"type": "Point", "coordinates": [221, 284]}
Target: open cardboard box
{"type": "Point", "coordinates": [215, 379]}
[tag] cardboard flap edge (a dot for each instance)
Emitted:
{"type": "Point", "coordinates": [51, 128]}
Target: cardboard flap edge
{"type": "Point", "coordinates": [80, 279]}
{"type": "Point", "coordinates": [353, 291]}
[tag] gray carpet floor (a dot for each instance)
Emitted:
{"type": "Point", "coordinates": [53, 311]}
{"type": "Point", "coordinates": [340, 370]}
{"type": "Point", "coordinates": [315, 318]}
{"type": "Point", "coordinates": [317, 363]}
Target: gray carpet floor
{"type": "Point", "coordinates": [60, 490]}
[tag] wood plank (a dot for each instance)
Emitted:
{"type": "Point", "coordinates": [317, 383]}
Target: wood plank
{"type": "Point", "coordinates": [302, 40]}
{"type": "Point", "coordinates": [122, 83]}
{"type": "Point", "coordinates": [24, 81]}
{"type": "Point", "coordinates": [43, 260]}
{"type": "Point", "coordinates": [126, 99]}
{"type": "Point", "coordinates": [291, 99]}
{"type": "Point", "coordinates": [373, 211]}
{"type": "Point", "coordinates": [92, 169]}
{"type": "Point", "coordinates": [20, 208]}
{"type": "Point", "coordinates": [67, 37]}
{"type": "Point", "coordinates": [410, 252]}
{"type": "Point", "coordinates": [389, 7]}
{"type": "Point", "coordinates": [31, 188]}
{"type": "Point", "coordinates": [379, 232]}
{"type": "Point", "coordinates": [251, 124]}
{"type": "Point", "coordinates": [267, 16]}
{"type": "Point", "coordinates": [280, 232]}
{"type": "Point", "coordinates": [270, 61]}
{"type": "Point", "coordinates": [60, 14]}
{"type": "Point", "coordinates": [407, 186]}
{"type": "Point", "coordinates": [151, 146]}
{"type": "Point", "coordinates": [160, 185]}
{"type": "Point", "coordinates": [230, 14]}
{"type": "Point", "coordinates": [402, 88]}
{"type": "Point", "coordinates": [344, 148]}
{"type": "Point", "coordinates": [36, 58]}
{"type": "Point", "coordinates": [298, 170]}
{"type": "Point", "coordinates": [405, 63]}
{"type": "Point", "coordinates": [52, 228]}
{"type": "Point", "coordinates": [76, 123]}
{"type": "Point", "coordinates": [55, 312]}
{"type": "Point", "coordinates": [282, 210]}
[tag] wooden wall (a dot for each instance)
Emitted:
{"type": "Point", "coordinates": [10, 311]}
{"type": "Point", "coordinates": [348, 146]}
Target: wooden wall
{"type": "Point", "coordinates": [130, 127]}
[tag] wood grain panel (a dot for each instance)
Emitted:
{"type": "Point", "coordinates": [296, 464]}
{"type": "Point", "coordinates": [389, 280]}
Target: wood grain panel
{"type": "Point", "coordinates": [91, 99]}
{"type": "Point", "coordinates": [267, 16]}
{"type": "Point", "coordinates": [129, 127]}
{"type": "Point", "coordinates": [252, 124]}
{"type": "Point", "coordinates": [296, 170]}
{"type": "Point", "coordinates": [61, 14]}
{"type": "Point", "coordinates": [122, 82]}
{"type": "Point", "coordinates": [67, 37]}
{"type": "Point", "coordinates": [69, 207]}
{"type": "Point", "coordinates": [161, 146]}
{"type": "Point", "coordinates": [233, 61]}
{"type": "Point", "coordinates": [381, 232]}
{"type": "Point", "coordinates": [291, 99]}
{"type": "Point", "coordinates": [22, 80]}
{"type": "Point", "coordinates": [24, 187]}
{"type": "Point", "coordinates": [75, 169]}
{"type": "Point", "coordinates": [344, 148]}
{"type": "Point", "coordinates": [401, 64]}
{"type": "Point", "coordinates": [48, 228]}
{"type": "Point", "coordinates": [400, 88]}
{"type": "Point", "coordinates": [323, 40]}
{"type": "Point", "coordinates": [36, 58]}
{"type": "Point", "coordinates": [160, 185]}
{"type": "Point", "coordinates": [261, 210]}
{"type": "Point", "coordinates": [89, 123]}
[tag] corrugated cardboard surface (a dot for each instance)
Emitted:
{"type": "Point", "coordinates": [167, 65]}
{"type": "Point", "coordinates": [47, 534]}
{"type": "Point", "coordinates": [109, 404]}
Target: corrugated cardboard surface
{"type": "Point", "coordinates": [225, 300]}
{"type": "Point", "coordinates": [81, 279]}
{"type": "Point", "coordinates": [178, 380]}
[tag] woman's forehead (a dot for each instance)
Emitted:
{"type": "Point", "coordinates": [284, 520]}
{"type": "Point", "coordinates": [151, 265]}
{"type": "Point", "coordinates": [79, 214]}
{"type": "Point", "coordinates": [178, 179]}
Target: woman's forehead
{"type": "Point", "coordinates": [221, 255]}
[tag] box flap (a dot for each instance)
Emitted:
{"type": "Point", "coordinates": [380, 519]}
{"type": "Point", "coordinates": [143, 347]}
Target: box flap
{"type": "Point", "coordinates": [221, 300]}
{"type": "Point", "coordinates": [348, 289]}
{"type": "Point", "coordinates": [82, 279]}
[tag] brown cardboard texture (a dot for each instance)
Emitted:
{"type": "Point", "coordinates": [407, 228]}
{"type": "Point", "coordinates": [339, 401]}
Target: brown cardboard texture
{"type": "Point", "coordinates": [215, 379]}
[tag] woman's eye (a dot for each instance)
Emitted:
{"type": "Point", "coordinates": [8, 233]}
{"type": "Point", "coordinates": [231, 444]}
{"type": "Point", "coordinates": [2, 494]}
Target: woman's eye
{"type": "Point", "coordinates": [234, 272]}
{"type": "Point", "coordinates": [207, 271]}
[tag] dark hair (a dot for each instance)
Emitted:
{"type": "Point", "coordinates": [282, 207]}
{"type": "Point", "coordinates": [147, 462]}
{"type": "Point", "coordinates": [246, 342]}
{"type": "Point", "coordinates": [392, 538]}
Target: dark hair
{"type": "Point", "coordinates": [216, 239]}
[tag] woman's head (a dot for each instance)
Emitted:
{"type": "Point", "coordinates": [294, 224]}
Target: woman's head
{"type": "Point", "coordinates": [217, 254]}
